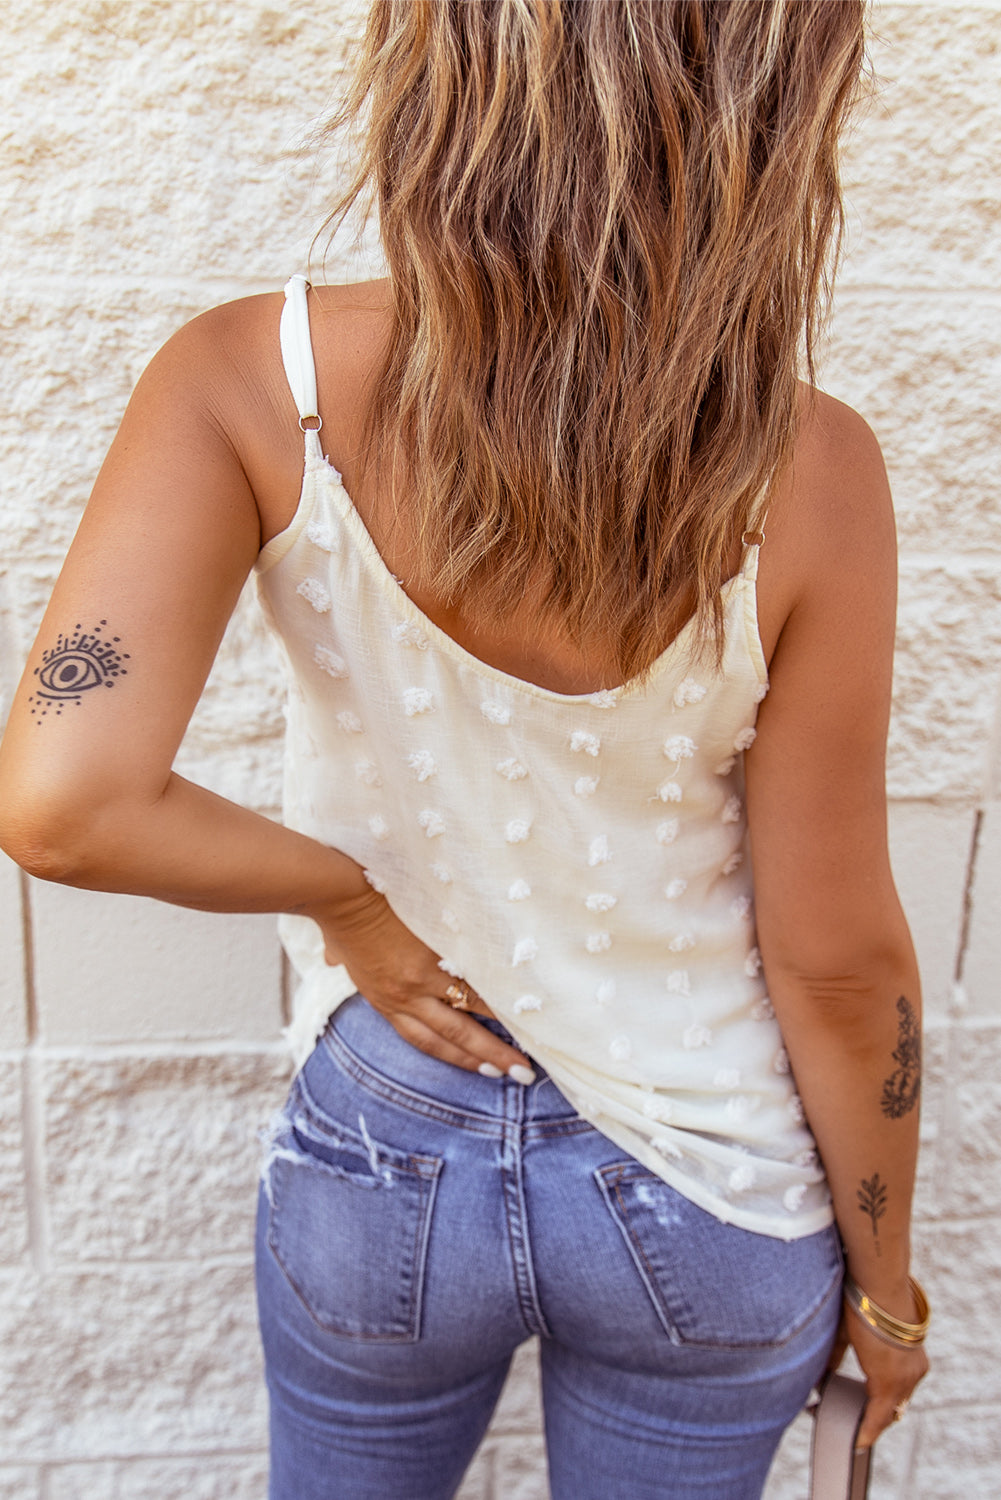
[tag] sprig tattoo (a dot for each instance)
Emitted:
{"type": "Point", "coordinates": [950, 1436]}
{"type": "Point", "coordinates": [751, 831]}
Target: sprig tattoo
{"type": "Point", "coordinates": [75, 664]}
{"type": "Point", "coordinates": [903, 1087]}
{"type": "Point", "coordinates": [872, 1196]}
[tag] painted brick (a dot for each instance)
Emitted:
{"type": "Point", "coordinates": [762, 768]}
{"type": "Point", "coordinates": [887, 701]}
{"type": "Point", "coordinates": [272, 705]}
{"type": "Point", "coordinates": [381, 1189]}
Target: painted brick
{"type": "Point", "coordinates": [123, 968]}
{"type": "Point", "coordinates": [10, 637]}
{"type": "Point", "coordinates": [157, 193]}
{"type": "Point", "coordinates": [922, 173]}
{"type": "Point", "coordinates": [215, 1477]}
{"type": "Point", "coordinates": [76, 385]}
{"type": "Point", "coordinates": [960, 1266]}
{"type": "Point", "coordinates": [924, 371]}
{"type": "Point", "coordinates": [18, 1483]}
{"type": "Point", "coordinates": [14, 1214]}
{"type": "Point", "coordinates": [948, 661]}
{"type": "Point", "coordinates": [993, 778]}
{"type": "Point", "coordinates": [929, 850]}
{"type": "Point", "coordinates": [155, 1157]}
{"type": "Point", "coordinates": [958, 1458]}
{"type": "Point", "coordinates": [477, 1482]}
{"type": "Point", "coordinates": [972, 1143]}
{"type": "Point", "coordinates": [894, 1457]}
{"type": "Point", "coordinates": [982, 969]}
{"type": "Point", "coordinates": [934, 1159]}
{"type": "Point", "coordinates": [129, 1360]}
{"type": "Point", "coordinates": [520, 1468]}
{"type": "Point", "coordinates": [13, 1010]}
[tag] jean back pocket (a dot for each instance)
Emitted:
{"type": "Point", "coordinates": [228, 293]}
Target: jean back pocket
{"type": "Point", "coordinates": [349, 1219]}
{"type": "Point", "coordinates": [711, 1283]}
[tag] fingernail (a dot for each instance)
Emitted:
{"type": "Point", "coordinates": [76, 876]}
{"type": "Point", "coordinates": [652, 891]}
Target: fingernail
{"type": "Point", "coordinates": [521, 1074]}
{"type": "Point", "coordinates": [489, 1071]}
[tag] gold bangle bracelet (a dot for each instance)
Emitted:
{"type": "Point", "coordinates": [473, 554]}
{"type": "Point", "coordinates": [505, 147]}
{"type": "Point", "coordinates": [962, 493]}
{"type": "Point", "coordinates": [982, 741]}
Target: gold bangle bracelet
{"type": "Point", "coordinates": [885, 1325]}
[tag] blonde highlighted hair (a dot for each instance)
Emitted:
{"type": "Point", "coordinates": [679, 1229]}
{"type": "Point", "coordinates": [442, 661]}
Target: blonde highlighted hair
{"type": "Point", "coordinates": [610, 227]}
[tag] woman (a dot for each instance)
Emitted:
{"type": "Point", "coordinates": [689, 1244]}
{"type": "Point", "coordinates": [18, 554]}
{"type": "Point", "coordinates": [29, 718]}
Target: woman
{"type": "Point", "coordinates": [550, 690]}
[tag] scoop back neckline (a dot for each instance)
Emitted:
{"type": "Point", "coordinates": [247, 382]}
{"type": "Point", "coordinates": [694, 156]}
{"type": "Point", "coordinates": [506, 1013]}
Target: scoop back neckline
{"type": "Point", "coordinates": [403, 603]}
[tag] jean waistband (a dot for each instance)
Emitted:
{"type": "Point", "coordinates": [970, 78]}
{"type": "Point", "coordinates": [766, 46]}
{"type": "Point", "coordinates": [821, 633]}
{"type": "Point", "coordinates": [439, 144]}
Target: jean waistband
{"type": "Point", "coordinates": [377, 1044]}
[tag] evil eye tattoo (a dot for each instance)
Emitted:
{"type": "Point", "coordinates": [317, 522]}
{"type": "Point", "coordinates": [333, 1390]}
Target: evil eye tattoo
{"type": "Point", "coordinates": [76, 663]}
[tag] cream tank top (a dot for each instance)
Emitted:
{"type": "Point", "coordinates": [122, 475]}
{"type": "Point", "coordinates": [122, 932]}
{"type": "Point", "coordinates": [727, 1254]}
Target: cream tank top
{"type": "Point", "coordinates": [580, 859]}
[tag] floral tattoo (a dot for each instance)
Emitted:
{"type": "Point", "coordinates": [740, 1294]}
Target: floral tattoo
{"type": "Point", "coordinates": [903, 1087]}
{"type": "Point", "coordinates": [77, 662]}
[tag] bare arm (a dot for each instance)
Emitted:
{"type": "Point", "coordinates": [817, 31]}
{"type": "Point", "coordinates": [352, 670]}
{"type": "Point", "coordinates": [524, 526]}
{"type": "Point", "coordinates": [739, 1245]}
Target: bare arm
{"type": "Point", "coordinates": [837, 953]}
{"type": "Point", "coordinates": [87, 795]}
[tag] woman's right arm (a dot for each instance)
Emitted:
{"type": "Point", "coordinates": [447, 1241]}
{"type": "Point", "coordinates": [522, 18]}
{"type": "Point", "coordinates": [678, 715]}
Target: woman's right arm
{"type": "Point", "coordinates": [87, 793]}
{"type": "Point", "coordinates": [838, 958]}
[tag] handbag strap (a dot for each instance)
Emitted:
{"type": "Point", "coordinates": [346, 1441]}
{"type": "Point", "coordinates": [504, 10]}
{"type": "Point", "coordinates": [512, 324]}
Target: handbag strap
{"type": "Point", "coordinates": [837, 1472]}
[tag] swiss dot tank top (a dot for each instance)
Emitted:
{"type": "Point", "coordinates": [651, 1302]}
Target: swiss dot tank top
{"type": "Point", "coordinates": [581, 859]}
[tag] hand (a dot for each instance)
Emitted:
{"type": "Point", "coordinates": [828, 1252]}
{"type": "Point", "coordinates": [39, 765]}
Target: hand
{"type": "Point", "coordinates": [400, 977]}
{"type": "Point", "coordinates": [891, 1374]}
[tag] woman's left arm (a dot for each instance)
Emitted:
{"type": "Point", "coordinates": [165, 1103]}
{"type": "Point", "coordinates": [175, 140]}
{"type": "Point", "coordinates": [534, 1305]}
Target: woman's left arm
{"type": "Point", "coordinates": [837, 953]}
{"type": "Point", "coordinates": [88, 796]}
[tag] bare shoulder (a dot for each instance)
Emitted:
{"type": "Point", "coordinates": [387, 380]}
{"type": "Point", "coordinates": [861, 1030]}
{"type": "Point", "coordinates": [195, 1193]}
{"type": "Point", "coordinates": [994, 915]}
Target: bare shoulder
{"type": "Point", "coordinates": [219, 331]}
{"type": "Point", "coordinates": [234, 349]}
{"type": "Point", "coordinates": [225, 365]}
{"type": "Point", "coordinates": [842, 507]}
{"type": "Point", "coordinates": [830, 527]}
{"type": "Point", "coordinates": [240, 340]}
{"type": "Point", "coordinates": [216, 356]}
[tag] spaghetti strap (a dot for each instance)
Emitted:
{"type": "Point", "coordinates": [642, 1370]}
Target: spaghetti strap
{"type": "Point", "coordinates": [752, 541]}
{"type": "Point", "coordinates": [297, 357]}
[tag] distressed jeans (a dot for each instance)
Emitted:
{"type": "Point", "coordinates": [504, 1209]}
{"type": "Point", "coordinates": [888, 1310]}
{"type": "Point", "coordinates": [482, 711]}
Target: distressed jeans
{"type": "Point", "coordinates": [418, 1222]}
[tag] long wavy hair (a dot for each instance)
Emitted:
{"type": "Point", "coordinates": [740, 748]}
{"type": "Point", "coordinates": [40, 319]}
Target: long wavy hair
{"type": "Point", "coordinates": [610, 227]}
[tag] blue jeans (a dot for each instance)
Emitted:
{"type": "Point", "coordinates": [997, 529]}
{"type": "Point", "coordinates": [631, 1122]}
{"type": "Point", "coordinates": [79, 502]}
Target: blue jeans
{"type": "Point", "coordinates": [418, 1222]}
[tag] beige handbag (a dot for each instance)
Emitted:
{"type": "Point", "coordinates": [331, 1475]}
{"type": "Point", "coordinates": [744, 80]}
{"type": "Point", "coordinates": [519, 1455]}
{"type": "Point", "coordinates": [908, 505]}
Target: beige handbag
{"type": "Point", "coordinates": [837, 1472]}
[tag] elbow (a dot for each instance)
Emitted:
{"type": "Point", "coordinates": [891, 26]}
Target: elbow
{"type": "Point", "coordinates": [848, 981]}
{"type": "Point", "coordinates": [78, 830]}
{"type": "Point", "coordinates": [44, 853]}
{"type": "Point", "coordinates": [851, 1006]}
{"type": "Point", "coordinates": [47, 841]}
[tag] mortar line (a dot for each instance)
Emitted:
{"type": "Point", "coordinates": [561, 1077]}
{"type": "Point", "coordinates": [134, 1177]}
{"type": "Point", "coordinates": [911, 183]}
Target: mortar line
{"type": "Point", "coordinates": [58, 286]}
{"type": "Point", "coordinates": [900, 291]}
{"type": "Point", "coordinates": [949, 1123]}
{"type": "Point", "coordinates": [135, 1049]}
{"type": "Point", "coordinates": [967, 908]}
{"type": "Point", "coordinates": [914, 558]}
{"type": "Point", "coordinates": [120, 1265]}
{"type": "Point", "coordinates": [32, 1111]}
{"type": "Point", "coordinates": [992, 773]}
{"type": "Point", "coordinates": [28, 949]}
{"type": "Point", "coordinates": [49, 1466]}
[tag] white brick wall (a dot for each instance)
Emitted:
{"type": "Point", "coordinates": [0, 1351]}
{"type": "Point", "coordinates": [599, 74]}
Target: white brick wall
{"type": "Point", "coordinates": [152, 165]}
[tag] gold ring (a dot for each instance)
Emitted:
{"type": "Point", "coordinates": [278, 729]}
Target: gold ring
{"type": "Point", "coordinates": [899, 1410]}
{"type": "Point", "coordinates": [457, 996]}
